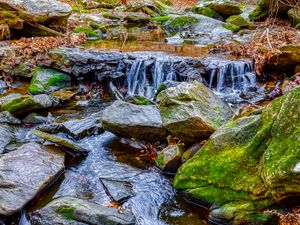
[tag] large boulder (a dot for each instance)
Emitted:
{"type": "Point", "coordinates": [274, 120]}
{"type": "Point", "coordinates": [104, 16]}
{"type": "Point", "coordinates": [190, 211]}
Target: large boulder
{"type": "Point", "coordinates": [134, 121]}
{"type": "Point", "coordinates": [248, 165]}
{"type": "Point", "coordinates": [46, 80]}
{"type": "Point", "coordinates": [192, 112]}
{"type": "Point", "coordinates": [52, 13]}
{"type": "Point", "coordinates": [225, 8]}
{"type": "Point", "coordinates": [75, 211]}
{"type": "Point", "coordinates": [24, 173]}
{"type": "Point", "coordinates": [18, 104]}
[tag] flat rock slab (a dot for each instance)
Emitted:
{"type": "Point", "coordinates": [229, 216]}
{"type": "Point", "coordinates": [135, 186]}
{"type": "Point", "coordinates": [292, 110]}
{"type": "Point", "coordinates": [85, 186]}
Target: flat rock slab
{"type": "Point", "coordinates": [75, 211]}
{"type": "Point", "coordinates": [24, 173]}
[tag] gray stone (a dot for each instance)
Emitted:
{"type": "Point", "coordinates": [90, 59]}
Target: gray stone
{"type": "Point", "coordinates": [75, 211]}
{"type": "Point", "coordinates": [8, 118]}
{"type": "Point", "coordinates": [134, 121]}
{"type": "Point", "coordinates": [6, 135]}
{"type": "Point", "coordinates": [192, 112]}
{"type": "Point", "coordinates": [24, 173]}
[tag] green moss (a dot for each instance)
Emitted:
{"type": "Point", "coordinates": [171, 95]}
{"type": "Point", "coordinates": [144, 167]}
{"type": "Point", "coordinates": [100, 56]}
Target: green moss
{"type": "Point", "coordinates": [181, 21]}
{"type": "Point", "coordinates": [80, 10]}
{"type": "Point", "coordinates": [161, 19]}
{"type": "Point", "coordinates": [87, 30]}
{"type": "Point", "coordinates": [45, 80]}
{"type": "Point", "coordinates": [226, 9]}
{"type": "Point", "coordinates": [19, 105]}
{"type": "Point", "coordinates": [111, 16]}
{"type": "Point", "coordinates": [238, 20]}
{"type": "Point", "coordinates": [232, 27]}
{"type": "Point", "coordinates": [66, 212]}
{"type": "Point", "coordinates": [258, 14]}
{"type": "Point", "coordinates": [206, 11]}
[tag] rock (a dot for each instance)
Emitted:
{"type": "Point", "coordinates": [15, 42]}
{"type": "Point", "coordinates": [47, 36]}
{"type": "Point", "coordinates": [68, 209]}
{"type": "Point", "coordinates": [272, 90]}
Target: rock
{"type": "Point", "coordinates": [178, 23]}
{"type": "Point", "coordinates": [20, 104]}
{"type": "Point", "coordinates": [169, 159]}
{"type": "Point", "coordinates": [51, 13]}
{"type": "Point", "coordinates": [188, 154]}
{"type": "Point", "coordinates": [71, 147]}
{"type": "Point", "coordinates": [192, 112]}
{"type": "Point", "coordinates": [76, 211]}
{"type": "Point", "coordinates": [26, 172]}
{"type": "Point", "coordinates": [46, 80]}
{"type": "Point", "coordinates": [294, 16]}
{"type": "Point", "coordinates": [134, 121]}
{"type": "Point", "coordinates": [6, 136]}
{"type": "Point", "coordinates": [34, 118]}
{"type": "Point", "coordinates": [225, 8]}
{"type": "Point", "coordinates": [238, 20]}
{"type": "Point", "coordinates": [8, 118]}
{"type": "Point", "coordinates": [140, 19]}
{"type": "Point", "coordinates": [63, 95]}
{"type": "Point", "coordinates": [207, 11]}
{"type": "Point", "coordinates": [138, 100]}
{"type": "Point", "coordinates": [264, 7]}
{"type": "Point", "coordinates": [286, 59]}
{"type": "Point", "coordinates": [248, 165]}
{"type": "Point", "coordinates": [82, 128]}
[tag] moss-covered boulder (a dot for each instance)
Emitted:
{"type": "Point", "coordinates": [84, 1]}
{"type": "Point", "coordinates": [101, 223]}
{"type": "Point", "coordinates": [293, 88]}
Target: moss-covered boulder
{"type": "Point", "coordinates": [176, 24]}
{"type": "Point", "coordinates": [206, 11]}
{"type": "Point", "coordinates": [248, 165]}
{"type": "Point", "coordinates": [225, 8]}
{"type": "Point", "coordinates": [45, 80]}
{"type": "Point", "coordinates": [238, 20]}
{"type": "Point", "coordinates": [49, 13]}
{"type": "Point", "coordinates": [88, 31]}
{"type": "Point", "coordinates": [169, 159]}
{"type": "Point", "coordinates": [267, 8]}
{"type": "Point", "coordinates": [192, 112]}
{"type": "Point", "coordinates": [294, 16]}
{"type": "Point", "coordinates": [18, 104]}
{"type": "Point", "coordinates": [71, 211]}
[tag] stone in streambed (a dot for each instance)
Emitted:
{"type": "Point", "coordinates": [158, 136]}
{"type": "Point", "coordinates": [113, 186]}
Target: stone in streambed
{"type": "Point", "coordinates": [18, 104]}
{"type": "Point", "coordinates": [46, 80]}
{"type": "Point", "coordinates": [8, 118]}
{"type": "Point", "coordinates": [7, 133]}
{"type": "Point", "coordinates": [169, 159]}
{"type": "Point", "coordinates": [63, 142]}
{"type": "Point", "coordinates": [76, 211]}
{"type": "Point", "coordinates": [248, 165]}
{"type": "Point", "coordinates": [24, 173]}
{"type": "Point", "coordinates": [192, 112]}
{"type": "Point", "coordinates": [134, 121]}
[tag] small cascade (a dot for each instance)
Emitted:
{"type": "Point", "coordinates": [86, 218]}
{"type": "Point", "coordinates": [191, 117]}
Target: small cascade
{"type": "Point", "coordinates": [145, 74]}
{"type": "Point", "coordinates": [230, 79]}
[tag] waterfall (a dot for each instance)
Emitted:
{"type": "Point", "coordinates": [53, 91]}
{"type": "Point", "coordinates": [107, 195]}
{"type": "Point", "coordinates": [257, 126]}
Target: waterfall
{"type": "Point", "coordinates": [227, 78]}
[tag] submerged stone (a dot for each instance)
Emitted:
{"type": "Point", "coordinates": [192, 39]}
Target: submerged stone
{"type": "Point", "coordinates": [46, 80]}
{"type": "Point", "coordinates": [25, 172]}
{"type": "Point", "coordinates": [76, 211]}
{"type": "Point", "coordinates": [192, 112]}
{"type": "Point", "coordinates": [248, 165]}
{"type": "Point", "coordinates": [134, 121]}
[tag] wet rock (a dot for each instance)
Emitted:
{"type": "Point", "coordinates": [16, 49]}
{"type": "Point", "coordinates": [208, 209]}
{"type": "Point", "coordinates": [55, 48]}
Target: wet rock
{"type": "Point", "coordinates": [6, 136]}
{"type": "Point", "coordinates": [134, 121]}
{"type": "Point", "coordinates": [35, 118]}
{"type": "Point", "coordinates": [192, 112]}
{"type": "Point", "coordinates": [24, 173]}
{"type": "Point", "coordinates": [248, 165]}
{"type": "Point", "coordinates": [70, 146]}
{"type": "Point", "coordinates": [76, 211]}
{"type": "Point", "coordinates": [169, 159]}
{"type": "Point", "coordinates": [20, 104]}
{"type": "Point", "coordinates": [179, 23]}
{"type": "Point", "coordinates": [207, 11]}
{"type": "Point", "coordinates": [63, 95]}
{"type": "Point", "coordinates": [82, 128]}
{"type": "Point", "coordinates": [191, 151]}
{"type": "Point", "coordinates": [8, 118]}
{"type": "Point", "coordinates": [46, 80]}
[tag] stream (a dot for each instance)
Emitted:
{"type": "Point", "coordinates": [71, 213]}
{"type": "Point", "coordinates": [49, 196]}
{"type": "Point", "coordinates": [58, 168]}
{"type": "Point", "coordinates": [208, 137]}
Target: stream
{"type": "Point", "coordinates": [149, 193]}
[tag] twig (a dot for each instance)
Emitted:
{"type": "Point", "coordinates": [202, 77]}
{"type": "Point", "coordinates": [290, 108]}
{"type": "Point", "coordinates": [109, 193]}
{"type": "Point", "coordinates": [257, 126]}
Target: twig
{"type": "Point", "coordinates": [269, 43]}
{"type": "Point", "coordinates": [49, 30]}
